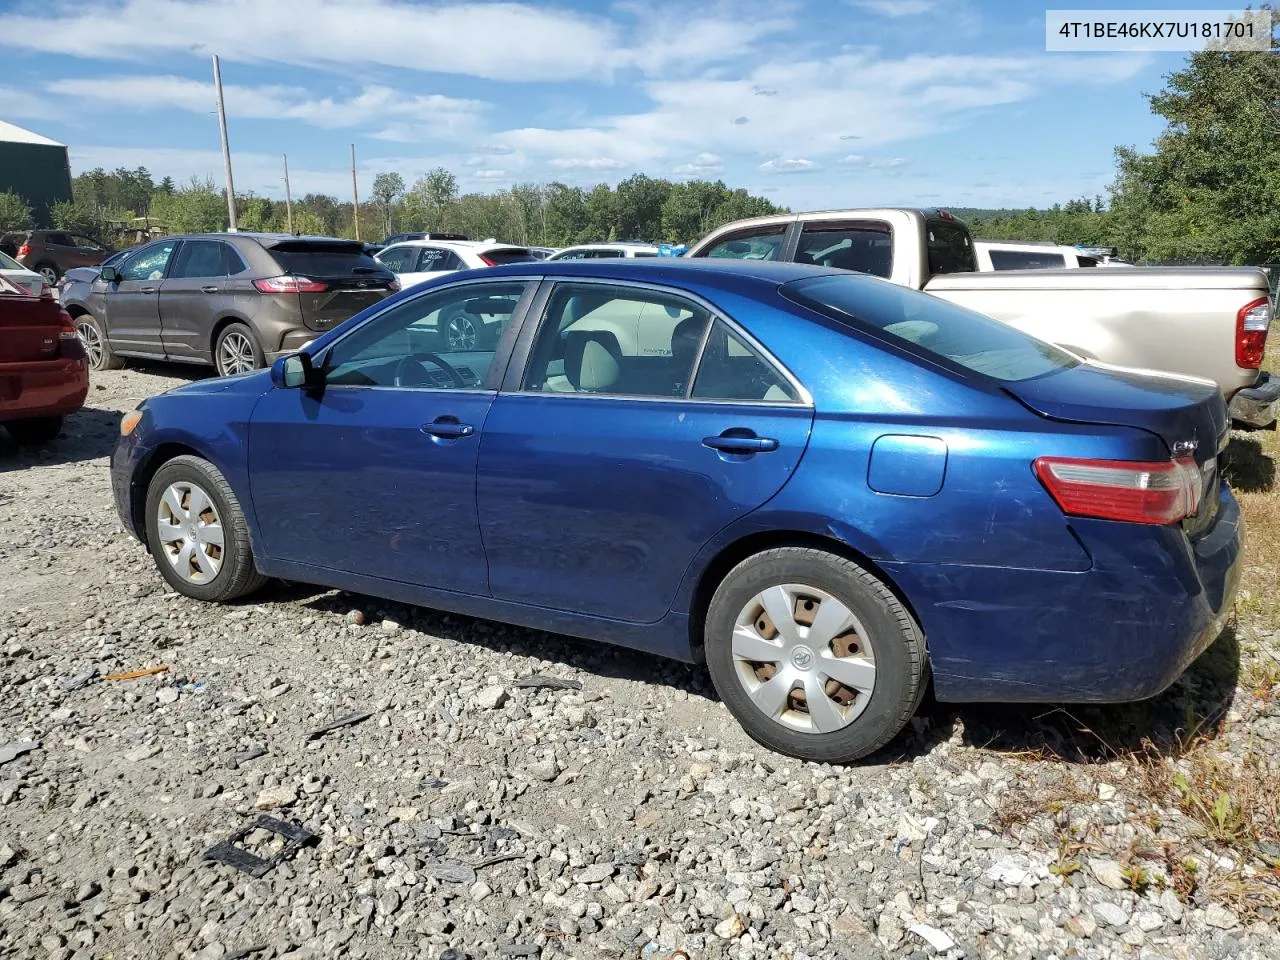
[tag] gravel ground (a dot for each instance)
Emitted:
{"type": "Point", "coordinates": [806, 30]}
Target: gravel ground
{"type": "Point", "coordinates": [468, 816]}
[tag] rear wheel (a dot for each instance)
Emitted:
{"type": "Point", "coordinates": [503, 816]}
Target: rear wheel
{"type": "Point", "coordinates": [813, 655]}
{"type": "Point", "coordinates": [197, 533]}
{"type": "Point", "coordinates": [237, 351]}
{"type": "Point", "coordinates": [50, 272]}
{"type": "Point", "coordinates": [33, 432]}
{"type": "Point", "coordinates": [96, 347]}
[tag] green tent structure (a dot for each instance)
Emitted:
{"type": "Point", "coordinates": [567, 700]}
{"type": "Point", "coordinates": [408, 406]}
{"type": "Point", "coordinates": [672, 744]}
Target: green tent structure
{"type": "Point", "coordinates": [35, 168]}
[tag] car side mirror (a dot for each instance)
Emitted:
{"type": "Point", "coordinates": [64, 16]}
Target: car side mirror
{"type": "Point", "coordinates": [293, 372]}
{"type": "Point", "coordinates": [110, 274]}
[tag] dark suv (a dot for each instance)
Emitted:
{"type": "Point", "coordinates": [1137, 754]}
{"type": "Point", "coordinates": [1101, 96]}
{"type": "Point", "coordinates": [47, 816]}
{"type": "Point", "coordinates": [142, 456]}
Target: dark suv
{"type": "Point", "coordinates": [235, 300]}
{"type": "Point", "coordinates": [52, 253]}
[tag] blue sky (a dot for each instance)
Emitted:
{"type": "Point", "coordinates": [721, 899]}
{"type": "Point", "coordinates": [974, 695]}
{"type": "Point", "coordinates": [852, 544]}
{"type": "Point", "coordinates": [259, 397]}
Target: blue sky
{"type": "Point", "coordinates": [814, 103]}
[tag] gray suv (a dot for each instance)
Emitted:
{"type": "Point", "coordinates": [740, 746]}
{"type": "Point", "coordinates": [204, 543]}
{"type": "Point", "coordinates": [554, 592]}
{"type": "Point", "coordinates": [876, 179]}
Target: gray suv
{"type": "Point", "coordinates": [235, 300]}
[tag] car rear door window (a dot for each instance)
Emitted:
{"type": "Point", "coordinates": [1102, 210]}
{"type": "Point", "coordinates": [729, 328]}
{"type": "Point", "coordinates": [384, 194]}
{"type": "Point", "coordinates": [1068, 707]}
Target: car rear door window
{"type": "Point", "coordinates": [732, 369]}
{"type": "Point", "coordinates": [621, 341]}
{"type": "Point", "coordinates": [149, 262]}
{"type": "Point", "coordinates": [861, 247]}
{"type": "Point", "coordinates": [1025, 260]}
{"type": "Point", "coordinates": [757, 244]}
{"type": "Point", "coordinates": [430, 259]}
{"type": "Point", "coordinates": [930, 327]}
{"type": "Point", "coordinates": [199, 258]}
{"type": "Point", "coordinates": [413, 345]}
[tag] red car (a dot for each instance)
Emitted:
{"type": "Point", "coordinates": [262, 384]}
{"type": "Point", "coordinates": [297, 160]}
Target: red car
{"type": "Point", "coordinates": [44, 374]}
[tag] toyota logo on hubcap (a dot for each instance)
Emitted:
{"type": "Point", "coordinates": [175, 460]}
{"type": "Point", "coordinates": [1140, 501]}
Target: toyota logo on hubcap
{"type": "Point", "coordinates": [802, 658]}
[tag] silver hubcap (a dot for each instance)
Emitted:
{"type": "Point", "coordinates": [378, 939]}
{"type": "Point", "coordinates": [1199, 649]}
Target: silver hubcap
{"type": "Point", "coordinates": [190, 532]}
{"type": "Point", "coordinates": [88, 334]}
{"type": "Point", "coordinates": [50, 275]}
{"type": "Point", "coordinates": [803, 658]}
{"type": "Point", "coordinates": [235, 355]}
{"type": "Point", "coordinates": [461, 333]}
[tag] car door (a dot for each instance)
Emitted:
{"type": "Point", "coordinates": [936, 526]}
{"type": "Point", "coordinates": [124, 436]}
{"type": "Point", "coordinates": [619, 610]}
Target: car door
{"type": "Point", "coordinates": [373, 473]}
{"type": "Point", "coordinates": [132, 303]}
{"type": "Point", "coordinates": [190, 298]}
{"type": "Point", "coordinates": [402, 260]}
{"type": "Point", "coordinates": [606, 463]}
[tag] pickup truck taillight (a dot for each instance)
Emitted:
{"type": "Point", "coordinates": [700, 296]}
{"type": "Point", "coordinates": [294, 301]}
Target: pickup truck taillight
{"type": "Point", "coordinates": [1161, 492]}
{"type": "Point", "coordinates": [1251, 332]}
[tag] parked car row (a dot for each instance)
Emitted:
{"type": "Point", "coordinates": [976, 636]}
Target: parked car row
{"type": "Point", "coordinates": [51, 253]}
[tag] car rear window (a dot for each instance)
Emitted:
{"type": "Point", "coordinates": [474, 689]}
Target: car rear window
{"type": "Point", "coordinates": [929, 326]}
{"type": "Point", "coordinates": [498, 257]}
{"type": "Point", "coordinates": [1026, 260]}
{"type": "Point", "coordinates": [950, 247]}
{"type": "Point", "coordinates": [325, 260]}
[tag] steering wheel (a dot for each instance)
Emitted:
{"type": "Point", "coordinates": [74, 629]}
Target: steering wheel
{"type": "Point", "coordinates": [411, 373]}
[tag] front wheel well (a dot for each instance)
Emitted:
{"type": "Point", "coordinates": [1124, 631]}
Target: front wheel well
{"type": "Point", "coordinates": [739, 550]}
{"type": "Point", "coordinates": [142, 475]}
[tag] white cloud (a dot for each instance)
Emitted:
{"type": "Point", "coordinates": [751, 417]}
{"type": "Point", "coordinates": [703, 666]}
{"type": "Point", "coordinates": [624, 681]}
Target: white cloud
{"type": "Point", "coordinates": [15, 103]}
{"type": "Point", "coordinates": [406, 113]}
{"type": "Point", "coordinates": [490, 175]}
{"type": "Point", "coordinates": [896, 8]}
{"type": "Point", "coordinates": [703, 163]}
{"type": "Point", "coordinates": [586, 163]}
{"type": "Point", "coordinates": [888, 163]}
{"type": "Point", "coordinates": [789, 165]}
{"type": "Point", "coordinates": [852, 159]}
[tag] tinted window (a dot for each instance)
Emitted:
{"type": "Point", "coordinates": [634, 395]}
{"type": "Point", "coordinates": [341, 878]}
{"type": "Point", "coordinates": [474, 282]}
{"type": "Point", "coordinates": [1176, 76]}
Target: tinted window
{"type": "Point", "coordinates": [149, 262]}
{"type": "Point", "coordinates": [444, 340]}
{"type": "Point", "coordinates": [199, 258]}
{"type": "Point", "coordinates": [1025, 260]}
{"type": "Point", "coordinates": [430, 259]}
{"type": "Point", "coordinates": [931, 326]}
{"type": "Point", "coordinates": [616, 340]}
{"type": "Point", "coordinates": [950, 247]}
{"type": "Point", "coordinates": [758, 245]}
{"type": "Point", "coordinates": [572, 255]}
{"type": "Point", "coordinates": [644, 253]}
{"type": "Point", "coordinates": [232, 261]}
{"type": "Point", "coordinates": [1086, 261]}
{"type": "Point", "coordinates": [400, 259]}
{"type": "Point", "coordinates": [863, 249]}
{"type": "Point", "coordinates": [325, 260]}
{"type": "Point", "coordinates": [732, 369]}
{"type": "Point", "coordinates": [451, 261]}
{"type": "Point", "coordinates": [499, 257]}
{"type": "Point", "coordinates": [59, 239]}
{"type": "Point", "coordinates": [85, 242]}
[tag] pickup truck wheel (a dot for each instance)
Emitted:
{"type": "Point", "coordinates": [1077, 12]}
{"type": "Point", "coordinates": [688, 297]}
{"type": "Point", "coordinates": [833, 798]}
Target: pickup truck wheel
{"type": "Point", "coordinates": [95, 344]}
{"type": "Point", "coordinates": [237, 351]}
{"type": "Point", "coordinates": [813, 655]}
{"type": "Point", "coordinates": [33, 432]}
{"type": "Point", "coordinates": [197, 532]}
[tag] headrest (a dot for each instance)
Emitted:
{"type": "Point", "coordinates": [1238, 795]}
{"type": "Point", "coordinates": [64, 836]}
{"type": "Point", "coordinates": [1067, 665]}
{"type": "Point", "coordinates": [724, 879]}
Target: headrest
{"type": "Point", "coordinates": [591, 360]}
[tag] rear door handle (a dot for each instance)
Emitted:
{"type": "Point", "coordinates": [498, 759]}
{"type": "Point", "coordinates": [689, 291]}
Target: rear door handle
{"type": "Point", "coordinates": [146, 289]}
{"type": "Point", "coordinates": [734, 442]}
{"type": "Point", "coordinates": [208, 289]}
{"type": "Point", "coordinates": [448, 428]}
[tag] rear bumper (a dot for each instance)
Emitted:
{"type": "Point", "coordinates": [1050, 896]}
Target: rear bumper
{"type": "Point", "coordinates": [1123, 630]}
{"type": "Point", "coordinates": [44, 388]}
{"type": "Point", "coordinates": [1259, 405]}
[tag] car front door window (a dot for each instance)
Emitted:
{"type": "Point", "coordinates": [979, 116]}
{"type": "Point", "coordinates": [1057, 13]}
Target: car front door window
{"type": "Point", "coordinates": [445, 340]}
{"type": "Point", "coordinates": [751, 245]}
{"type": "Point", "coordinates": [148, 263]}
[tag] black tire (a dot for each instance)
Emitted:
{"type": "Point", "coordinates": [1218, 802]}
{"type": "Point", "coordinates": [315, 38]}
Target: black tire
{"type": "Point", "coordinates": [35, 431]}
{"type": "Point", "coordinates": [49, 271]}
{"type": "Point", "coordinates": [255, 349]}
{"type": "Point", "coordinates": [96, 347]}
{"type": "Point", "coordinates": [237, 576]}
{"type": "Point", "coordinates": [895, 639]}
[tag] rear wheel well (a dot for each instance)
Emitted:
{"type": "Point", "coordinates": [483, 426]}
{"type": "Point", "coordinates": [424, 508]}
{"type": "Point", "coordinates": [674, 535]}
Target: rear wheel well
{"type": "Point", "coordinates": [739, 550]}
{"type": "Point", "coordinates": [221, 324]}
{"type": "Point", "coordinates": [146, 469]}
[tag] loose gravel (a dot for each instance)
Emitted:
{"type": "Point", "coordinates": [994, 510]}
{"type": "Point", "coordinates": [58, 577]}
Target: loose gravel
{"type": "Point", "coordinates": [467, 811]}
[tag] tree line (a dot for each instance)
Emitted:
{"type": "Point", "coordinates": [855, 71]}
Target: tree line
{"type": "Point", "coordinates": [1209, 191]}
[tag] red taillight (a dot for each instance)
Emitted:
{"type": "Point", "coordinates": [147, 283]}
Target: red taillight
{"type": "Point", "coordinates": [24, 251]}
{"type": "Point", "coordinates": [1163, 492]}
{"type": "Point", "coordinates": [69, 344]}
{"type": "Point", "coordinates": [46, 291]}
{"type": "Point", "coordinates": [290, 284]}
{"type": "Point", "coordinates": [487, 262]}
{"type": "Point", "coordinates": [1251, 332]}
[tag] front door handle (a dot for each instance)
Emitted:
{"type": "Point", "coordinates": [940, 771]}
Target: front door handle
{"type": "Point", "coordinates": [208, 289]}
{"type": "Point", "coordinates": [740, 441]}
{"type": "Point", "coordinates": [447, 428]}
{"type": "Point", "coordinates": [146, 289]}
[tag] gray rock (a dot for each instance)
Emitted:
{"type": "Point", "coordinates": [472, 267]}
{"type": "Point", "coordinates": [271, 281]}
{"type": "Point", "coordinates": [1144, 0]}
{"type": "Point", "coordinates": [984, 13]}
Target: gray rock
{"type": "Point", "coordinates": [490, 698]}
{"type": "Point", "coordinates": [1110, 914]}
{"type": "Point", "coordinates": [595, 873]}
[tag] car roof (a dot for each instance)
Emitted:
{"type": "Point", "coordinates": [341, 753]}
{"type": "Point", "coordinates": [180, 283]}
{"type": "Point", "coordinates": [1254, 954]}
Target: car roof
{"type": "Point", "coordinates": [460, 244]}
{"type": "Point", "coordinates": [676, 271]}
{"type": "Point", "coordinates": [618, 244]}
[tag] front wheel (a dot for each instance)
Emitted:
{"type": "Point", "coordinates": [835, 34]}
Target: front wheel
{"type": "Point", "coordinates": [96, 346]}
{"type": "Point", "coordinates": [197, 533]}
{"type": "Point", "coordinates": [237, 351]}
{"type": "Point", "coordinates": [813, 655]}
{"type": "Point", "coordinates": [35, 431]}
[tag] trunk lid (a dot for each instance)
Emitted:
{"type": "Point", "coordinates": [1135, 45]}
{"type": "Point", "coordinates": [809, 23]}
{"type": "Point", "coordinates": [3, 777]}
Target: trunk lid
{"type": "Point", "coordinates": [353, 280]}
{"type": "Point", "coordinates": [29, 327]}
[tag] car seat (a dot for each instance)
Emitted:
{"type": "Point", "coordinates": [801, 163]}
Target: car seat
{"type": "Point", "coordinates": [592, 360]}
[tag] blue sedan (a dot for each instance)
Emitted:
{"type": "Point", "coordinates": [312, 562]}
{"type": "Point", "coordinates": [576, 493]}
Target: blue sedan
{"type": "Point", "coordinates": [830, 489]}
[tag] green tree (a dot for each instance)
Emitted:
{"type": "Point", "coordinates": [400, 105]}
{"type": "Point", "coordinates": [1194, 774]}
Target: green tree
{"type": "Point", "coordinates": [259, 215]}
{"type": "Point", "coordinates": [75, 216]}
{"type": "Point", "coordinates": [387, 189]}
{"type": "Point", "coordinates": [639, 207]}
{"type": "Point", "coordinates": [566, 214]}
{"type": "Point", "coordinates": [14, 212]}
{"type": "Point", "coordinates": [1210, 191]}
{"type": "Point", "coordinates": [309, 223]}
{"type": "Point", "coordinates": [196, 208]}
{"type": "Point", "coordinates": [427, 205]}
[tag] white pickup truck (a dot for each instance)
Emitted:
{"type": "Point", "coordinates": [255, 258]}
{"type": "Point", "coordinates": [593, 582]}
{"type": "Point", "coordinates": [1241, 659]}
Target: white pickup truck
{"type": "Point", "coordinates": [1205, 322]}
{"type": "Point", "coordinates": [1038, 255]}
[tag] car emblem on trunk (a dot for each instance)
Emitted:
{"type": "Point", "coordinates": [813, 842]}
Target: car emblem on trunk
{"type": "Point", "coordinates": [1184, 448]}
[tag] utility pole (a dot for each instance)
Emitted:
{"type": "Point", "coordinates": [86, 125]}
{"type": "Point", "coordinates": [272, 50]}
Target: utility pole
{"type": "Point", "coordinates": [226, 148]}
{"type": "Point", "coordinates": [288, 196]}
{"type": "Point", "coordinates": [355, 193]}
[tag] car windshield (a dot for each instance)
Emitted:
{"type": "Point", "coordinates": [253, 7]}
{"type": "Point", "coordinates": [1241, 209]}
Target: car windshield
{"type": "Point", "coordinates": [930, 326]}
